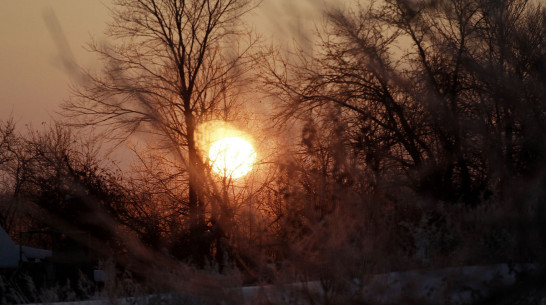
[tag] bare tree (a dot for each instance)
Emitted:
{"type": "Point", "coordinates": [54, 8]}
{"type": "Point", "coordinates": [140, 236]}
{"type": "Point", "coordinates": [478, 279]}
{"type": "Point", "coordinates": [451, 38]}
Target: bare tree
{"type": "Point", "coordinates": [414, 83]}
{"type": "Point", "coordinates": [433, 106]}
{"type": "Point", "coordinates": [8, 158]}
{"type": "Point", "coordinates": [174, 64]}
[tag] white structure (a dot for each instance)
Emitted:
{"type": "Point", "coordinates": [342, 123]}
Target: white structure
{"type": "Point", "coordinates": [9, 252]}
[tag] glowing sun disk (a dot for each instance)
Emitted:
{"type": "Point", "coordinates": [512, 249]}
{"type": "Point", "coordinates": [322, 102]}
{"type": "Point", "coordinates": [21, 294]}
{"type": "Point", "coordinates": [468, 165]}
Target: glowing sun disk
{"type": "Point", "coordinates": [232, 157]}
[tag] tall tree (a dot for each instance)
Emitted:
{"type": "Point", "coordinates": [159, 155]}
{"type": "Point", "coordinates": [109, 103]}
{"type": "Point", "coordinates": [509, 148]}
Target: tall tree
{"type": "Point", "coordinates": [426, 88]}
{"type": "Point", "coordinates": [175, 63]}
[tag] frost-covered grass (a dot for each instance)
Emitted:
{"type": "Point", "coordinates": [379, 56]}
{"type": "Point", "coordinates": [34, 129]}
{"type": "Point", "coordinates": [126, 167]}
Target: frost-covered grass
{"type": "Point", "coordinates": [460, 285]}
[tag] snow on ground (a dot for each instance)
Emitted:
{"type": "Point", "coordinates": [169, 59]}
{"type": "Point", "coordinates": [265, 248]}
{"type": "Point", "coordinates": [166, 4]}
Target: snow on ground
{"type": "Point", "coordinates": [449, 285]}
{"type": "Point", "coordinates": [35, 253]}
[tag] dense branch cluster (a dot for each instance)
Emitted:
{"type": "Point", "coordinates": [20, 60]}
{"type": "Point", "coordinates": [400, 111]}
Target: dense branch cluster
{"type": "Point", "coordinates": [450, 94]}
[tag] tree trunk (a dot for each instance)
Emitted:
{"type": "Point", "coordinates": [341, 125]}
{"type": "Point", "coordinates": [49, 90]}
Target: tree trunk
{"type": "Point", "coordinates": [198, 239]}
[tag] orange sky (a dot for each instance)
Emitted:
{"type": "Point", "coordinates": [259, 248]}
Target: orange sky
{"type": "Point", "coordinates": [33, 81]}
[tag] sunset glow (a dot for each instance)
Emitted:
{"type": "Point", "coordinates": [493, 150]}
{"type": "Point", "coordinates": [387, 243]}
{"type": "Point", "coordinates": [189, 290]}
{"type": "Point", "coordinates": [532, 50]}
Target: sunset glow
{"type": "Point", "coordinates": [232, 157]}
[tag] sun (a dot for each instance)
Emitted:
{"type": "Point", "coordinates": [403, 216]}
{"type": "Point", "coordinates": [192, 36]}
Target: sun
{"type": "Point", "coordinates": [232, 157]}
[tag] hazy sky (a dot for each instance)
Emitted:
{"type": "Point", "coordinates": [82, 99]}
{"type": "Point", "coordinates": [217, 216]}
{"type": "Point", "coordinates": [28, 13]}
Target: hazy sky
{"type": "Point", "coordinates": [33, 81]}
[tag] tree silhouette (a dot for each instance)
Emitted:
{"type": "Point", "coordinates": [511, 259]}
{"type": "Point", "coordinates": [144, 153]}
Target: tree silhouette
{"type": "Point", "coordinates": [175, 64]}
{"type": "Point", "coordinates": [446, 93]}
{"type": "Point", "coordinates": [416, 116]}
